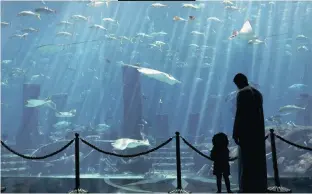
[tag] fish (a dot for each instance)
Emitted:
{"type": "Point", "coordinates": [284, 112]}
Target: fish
{"type": "Point", "coordinates": [158, 44]}
{"type": "Point", "coordinates": [80, 18]}
{"type": "Point", "coordinates": [161, 33]}
{"type": "Point", "coordinates": [302, 37]}
{"type": "Point", "coordinates": [197, 33]}
{"type": "Point", "coordinates": [110, 20]}
{"type": "Point", "coordinates": [62, 125]}
{"type": "Point", "coordinates": [50, 48]}
{"type": "Point", "coordinates": [177, 18]}
{"type": "Point", "coordinates": [29, 30]}
{"type": "Point", "coordinates": [194, 45]}
{"type": "Point", "coordinates": [102, 127]}
{"type": "Point", "coordinates": [34, 103]}
{"type": "Point", "coordinates": [158, 5]}
{"type": "Point", "coordinates": [231, 96]}
{"type": "Point", "coordinates": [65, 23]}
{"type": "Point", "coordinates": [98, 3]}
{"type": "Point", "coordinates": [141, 34]}
{"type": "Point", "coordinates": [192, 6]}
{"type": "Point", "coordinates": [288, 109]}
{"type": "Point", "coordinates": [227, 2]}
{"type": "Point", "coordinates": [155, 74]}
{"type": "Point", "coordinates": [302, 49]}
{"type": "Point", "coordinates": [98, 27]}
{"type": "Point", "coordinates": [45, 10]}
{"type": "Point", "coordinates": [297, 86]}
{"type": "Point", "coordinates": [5, 24]}
{"type": "Point", "coordinates": [19, 35]}
{"type": "Point", "coordinates": [6, 61]}
{"type": "Point", "coordinates": [34, 77]}
{"type": "Point", "coordinates": [256, 41]}
{"type": "Point", "coordinates": [192, 17]}
{"type": "Point", "coordinates": [29, 13]}
{"type": "Point", "coordinates": [245, 33]}
{"type": "Point", "coordinates": [126, 143]}
{"type": "Point", "coordinates": [65, 34]}
{"type": "Point", "coordinates": [234, 8]}
{"type": "Point", "coordinates": [275, 119]}
{"type": "Point", "coordinates": [215, 19]}
{"type": "Point", "coordinates": [69, 114]}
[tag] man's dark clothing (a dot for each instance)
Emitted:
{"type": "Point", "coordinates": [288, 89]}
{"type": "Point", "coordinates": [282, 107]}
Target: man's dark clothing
{"type": "Point", "coordinates": [249, 129]}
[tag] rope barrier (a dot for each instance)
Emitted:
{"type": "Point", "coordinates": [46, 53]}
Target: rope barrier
{"type": "Point", "coordinates": [202, 154]}
{"type": "Point", "coordinates": [130, 155]}
{"type": "Point", "coordinates": [39, 157]}
{"type": "Point", "coordinates": [293, 144]}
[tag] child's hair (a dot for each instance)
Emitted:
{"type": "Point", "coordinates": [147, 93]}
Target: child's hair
{"type": "Point", "coordinates": [220, 140]}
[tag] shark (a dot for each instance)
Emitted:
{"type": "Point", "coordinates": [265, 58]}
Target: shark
{"type": "Point", "coordinates": [125, 143]}
{"type": "Point", "coordinates": [155, 74]}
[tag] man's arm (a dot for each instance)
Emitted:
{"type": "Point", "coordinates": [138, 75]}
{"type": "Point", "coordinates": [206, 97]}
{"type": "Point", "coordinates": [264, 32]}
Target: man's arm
{"type": "Point", "coordinates": [238, 118]}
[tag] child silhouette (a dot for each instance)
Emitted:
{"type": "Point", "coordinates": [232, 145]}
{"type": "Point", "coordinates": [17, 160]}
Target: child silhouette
{"type": "Point", "coordinates": [220, 156]}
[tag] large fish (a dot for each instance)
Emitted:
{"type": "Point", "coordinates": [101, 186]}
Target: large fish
{"type": "Point", "coordinates": [245, 33]}
{"type": "Point", "coordinates": [297, 86]}
{"type": "Point", "coordinates": [124, 143]}
{"type": "Point", "coordinates": [155, 74]}
{"type": "Point", "coordinates": [29, 13]}
{"type": "Point", "coordinates": [33, 103]}
{"type": "Point", "coordinates": [101, 127]}
{"type": "Point", "coordinates": [68, 114]}
{"type": "Point", "coordinates": [62, 125]}
{"type": "Point", "coordinates": [288, 109]}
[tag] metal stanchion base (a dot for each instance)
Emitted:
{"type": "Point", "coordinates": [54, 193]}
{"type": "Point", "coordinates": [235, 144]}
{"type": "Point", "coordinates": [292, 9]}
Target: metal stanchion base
{"type": "Point", "coordinates": [280, 189]}
{"type": "Point", "coordinates": [179, 191]}
{"type": "Point", "coordinates": [78, 191]}
{"type": "Point", "coordinates": [3, 189]}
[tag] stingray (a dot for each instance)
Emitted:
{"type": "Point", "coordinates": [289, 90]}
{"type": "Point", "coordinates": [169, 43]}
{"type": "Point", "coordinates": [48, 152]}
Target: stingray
{"type": "Point", "coordinates": [135, 190]}
{"type": "Point", "coordinates": [33, 103]}
{"type": "Point", "coordinates": [246, 32]}
{"type": "Point", "coordinates": [124, 143]}
{"type": "Point", "coordinates": [155, 74]}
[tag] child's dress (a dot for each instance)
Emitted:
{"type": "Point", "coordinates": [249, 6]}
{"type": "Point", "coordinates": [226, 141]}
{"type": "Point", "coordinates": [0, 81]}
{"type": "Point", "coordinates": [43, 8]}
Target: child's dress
{"type": "Point", "coordinates": [221, 162]}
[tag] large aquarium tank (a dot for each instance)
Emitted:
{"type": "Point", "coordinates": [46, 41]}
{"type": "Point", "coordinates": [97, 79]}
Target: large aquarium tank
{"type": "Point", "coordinates": [125, 76]}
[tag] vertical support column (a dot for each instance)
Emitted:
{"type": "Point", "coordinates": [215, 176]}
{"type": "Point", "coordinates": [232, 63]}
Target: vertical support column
{"type": "Point", "coordinates": [132, 98]}
{"type": "Point", "coordinates": [60, 101]}
{"type": "Point", "coordinates": [162, 128]}
{"type": "Point", "coordinates": [29, 123]}
{"type": "Point", "coordinates": [192, 125]}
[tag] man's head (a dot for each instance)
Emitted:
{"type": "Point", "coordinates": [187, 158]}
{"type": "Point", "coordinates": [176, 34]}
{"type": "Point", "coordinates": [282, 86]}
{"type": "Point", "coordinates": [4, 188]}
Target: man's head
{"type": "Point", "coordinates": [240, 80]}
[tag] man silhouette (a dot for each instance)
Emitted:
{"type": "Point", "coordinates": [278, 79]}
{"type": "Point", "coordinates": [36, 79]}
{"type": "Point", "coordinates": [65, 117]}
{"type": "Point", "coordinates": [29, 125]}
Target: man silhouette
{"type": "Point", "coordinates": [248, 133]}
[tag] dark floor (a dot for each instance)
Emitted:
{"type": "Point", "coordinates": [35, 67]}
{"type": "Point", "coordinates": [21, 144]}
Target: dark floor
{"type": "Point", "coordinates": [126, 185]}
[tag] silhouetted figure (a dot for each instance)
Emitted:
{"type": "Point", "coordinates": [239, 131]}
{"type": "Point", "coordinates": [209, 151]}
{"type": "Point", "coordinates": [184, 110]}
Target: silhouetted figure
{"type": "Point", "coordinates": [220, 156]}
{"type": "Point", "coordinates": [249, 133]}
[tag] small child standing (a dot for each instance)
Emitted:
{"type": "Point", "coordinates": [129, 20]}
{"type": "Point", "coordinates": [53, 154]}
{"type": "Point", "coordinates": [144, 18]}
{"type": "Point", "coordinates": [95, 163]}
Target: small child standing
{"type": "Point", "coordinates": [220, 156]}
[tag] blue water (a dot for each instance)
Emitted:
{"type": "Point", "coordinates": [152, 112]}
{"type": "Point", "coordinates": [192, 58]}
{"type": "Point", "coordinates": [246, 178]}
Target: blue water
{"type": "Point", "coordinates": [91, 71]}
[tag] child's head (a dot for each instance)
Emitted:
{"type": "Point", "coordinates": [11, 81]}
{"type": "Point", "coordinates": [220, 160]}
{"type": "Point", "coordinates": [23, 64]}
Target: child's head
{"type": "Point", "coordinates": [220, 140]}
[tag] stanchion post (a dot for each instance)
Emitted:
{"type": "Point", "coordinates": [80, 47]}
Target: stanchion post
{"type": "Point", "coordinates": [77, 162]}
{"type": "Point", "coordinates": [277, 188]}
{"type": "Point", "coordinates": [179, 188]}
{"type": "Point", "coordinates": [178, 158]}
{"type": "Point", "coordinates": [77, 167]}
